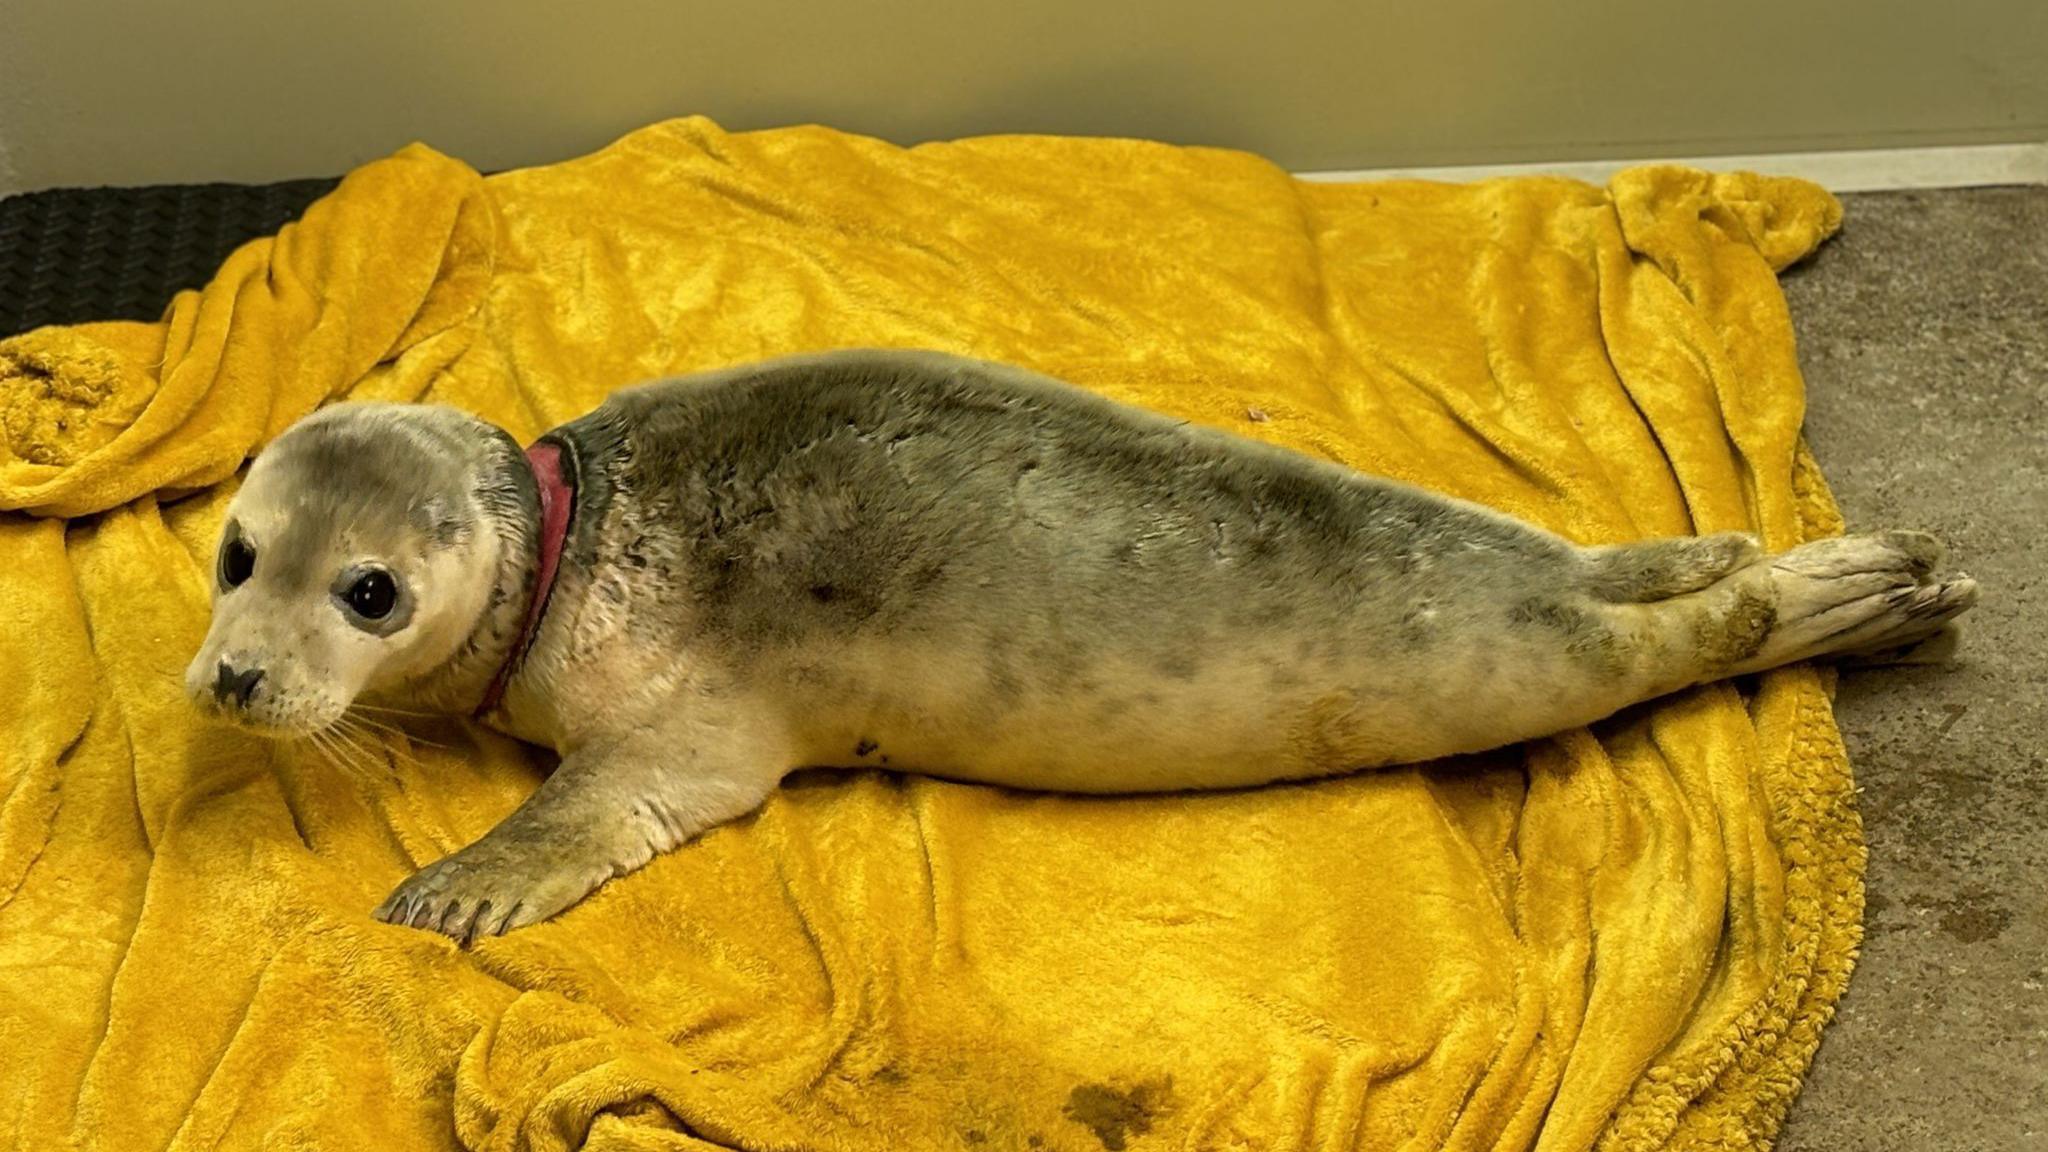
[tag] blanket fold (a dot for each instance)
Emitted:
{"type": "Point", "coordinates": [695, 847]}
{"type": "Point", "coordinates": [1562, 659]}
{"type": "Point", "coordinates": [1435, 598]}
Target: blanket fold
{"type": "Point", "coordinates": [1626, 937]}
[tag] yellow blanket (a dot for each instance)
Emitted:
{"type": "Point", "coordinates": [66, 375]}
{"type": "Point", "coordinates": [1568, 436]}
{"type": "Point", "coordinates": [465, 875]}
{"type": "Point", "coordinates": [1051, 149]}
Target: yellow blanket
{"type": "Point", "coordinates": [1622, 938]}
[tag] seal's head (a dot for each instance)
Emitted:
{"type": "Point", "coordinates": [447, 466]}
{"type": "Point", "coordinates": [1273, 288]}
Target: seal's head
{"type": "Point", "coordinates": [368, 553]}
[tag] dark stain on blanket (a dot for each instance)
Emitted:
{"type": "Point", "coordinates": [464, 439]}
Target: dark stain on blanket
{"type": "Point", "coordinates": [1117, 1114]}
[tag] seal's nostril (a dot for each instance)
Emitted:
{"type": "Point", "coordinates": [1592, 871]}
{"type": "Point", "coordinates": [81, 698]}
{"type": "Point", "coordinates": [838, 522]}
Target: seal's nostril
{"type": "Point", "coordinates": [240, 685]}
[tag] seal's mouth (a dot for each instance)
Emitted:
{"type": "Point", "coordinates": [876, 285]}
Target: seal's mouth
{"type": "Point", "coordinates": [240, 720]}
{"type": "Point", "coordinates": [265, 718]}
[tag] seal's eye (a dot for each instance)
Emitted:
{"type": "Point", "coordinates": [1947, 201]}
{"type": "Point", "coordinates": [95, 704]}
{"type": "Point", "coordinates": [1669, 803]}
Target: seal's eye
{"type": "Point", "coordinates": [237, 561]}
{"type": "Point", "coordinates": [372, 596]}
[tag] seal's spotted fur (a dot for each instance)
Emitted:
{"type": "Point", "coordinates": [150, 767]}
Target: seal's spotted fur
{"type": "Point", "coordinates": [946, 566]}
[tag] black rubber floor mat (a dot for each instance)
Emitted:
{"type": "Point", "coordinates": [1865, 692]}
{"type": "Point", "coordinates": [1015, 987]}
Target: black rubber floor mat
{"type": "Point", "coordinates": [77, 254]}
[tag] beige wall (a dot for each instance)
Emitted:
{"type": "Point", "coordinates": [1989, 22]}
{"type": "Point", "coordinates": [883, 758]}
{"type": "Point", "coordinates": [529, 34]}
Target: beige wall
{"type": "Point", "coordinates": [138, 91]}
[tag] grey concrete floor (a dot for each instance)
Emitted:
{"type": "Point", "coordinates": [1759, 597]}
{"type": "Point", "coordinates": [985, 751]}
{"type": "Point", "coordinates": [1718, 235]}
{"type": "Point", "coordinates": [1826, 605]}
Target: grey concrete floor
{"type": "Point", "coordinates": [1923, 332]}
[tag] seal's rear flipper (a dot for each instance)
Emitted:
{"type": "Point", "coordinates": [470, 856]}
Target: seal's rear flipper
{"type": "Point", "coordinates": [1940, 648]}
{"type": "Point", "coordinates": [1863, 598]}
{"type": "Point", "coordinates": [1653, 570]}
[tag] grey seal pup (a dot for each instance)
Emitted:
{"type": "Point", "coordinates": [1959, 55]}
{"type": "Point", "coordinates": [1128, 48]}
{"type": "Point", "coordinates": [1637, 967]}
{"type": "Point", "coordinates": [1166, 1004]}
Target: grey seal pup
{"type": "Point", "coordinates": [952, 567]}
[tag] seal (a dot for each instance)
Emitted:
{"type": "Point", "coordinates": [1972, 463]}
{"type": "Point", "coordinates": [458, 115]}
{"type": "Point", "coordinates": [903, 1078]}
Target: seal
{"type": "Point", "coordinates": [910, 560]}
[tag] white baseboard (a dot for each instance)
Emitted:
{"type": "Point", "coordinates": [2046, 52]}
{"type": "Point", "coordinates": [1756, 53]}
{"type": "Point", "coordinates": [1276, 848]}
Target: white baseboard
{"type": "Point", "coordinates": [1871, 170]}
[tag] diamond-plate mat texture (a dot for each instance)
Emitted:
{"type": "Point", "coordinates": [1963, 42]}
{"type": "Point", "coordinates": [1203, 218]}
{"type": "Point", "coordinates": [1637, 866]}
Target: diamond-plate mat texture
{"type": "Point", "coordinates": [77, 254]}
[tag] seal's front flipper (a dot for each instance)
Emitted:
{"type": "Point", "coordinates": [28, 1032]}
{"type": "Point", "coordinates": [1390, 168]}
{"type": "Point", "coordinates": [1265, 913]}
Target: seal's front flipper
{"type": "Point", "coordinates": [492, 886]}
{"type": "Point", "coordinates": [605, 812]}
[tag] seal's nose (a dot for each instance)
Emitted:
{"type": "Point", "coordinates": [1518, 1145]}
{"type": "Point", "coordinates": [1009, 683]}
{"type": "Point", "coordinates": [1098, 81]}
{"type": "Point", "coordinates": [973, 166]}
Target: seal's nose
{"type": "Point", "coordinates": [240, 685]}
